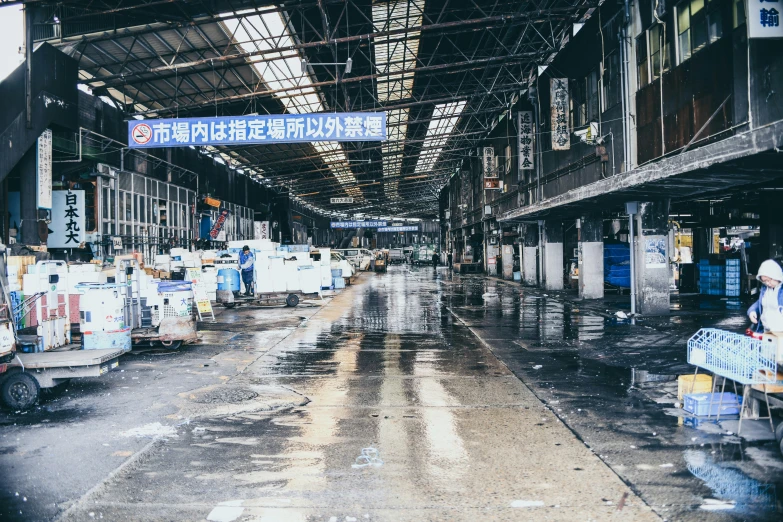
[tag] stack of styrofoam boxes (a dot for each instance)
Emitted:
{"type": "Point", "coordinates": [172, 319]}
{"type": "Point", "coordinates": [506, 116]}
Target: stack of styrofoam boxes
{"type": "Point", "coordinates": [79, 273]}
{"type": "Point", "coordinates": [33, 283]}
{"type": "Point", "coordinates": [162, 262]}
{"type": "Point", "coordinates": [209, 281]}
{"type": "Point", "coordinates": [733, 277]}
{"type": "Point", "coordinates": [263, 275]}
{"type": "Point", "coordinates": [712, 277]}
{"type": "Point", "coordinates": [326, 267]}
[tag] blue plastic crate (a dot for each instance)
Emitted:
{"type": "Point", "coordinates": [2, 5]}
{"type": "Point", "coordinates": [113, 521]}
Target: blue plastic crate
{"type": "Point", "coordinates": [699, 404]}
{"type": "Point", "coordinates": [733, 262]}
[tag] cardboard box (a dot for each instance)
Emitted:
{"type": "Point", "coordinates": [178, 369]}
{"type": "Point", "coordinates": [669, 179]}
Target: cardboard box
{"type": "Point", "coordinates": [777, 339]}
{"type": "Point", "coordinates": [771, 388]}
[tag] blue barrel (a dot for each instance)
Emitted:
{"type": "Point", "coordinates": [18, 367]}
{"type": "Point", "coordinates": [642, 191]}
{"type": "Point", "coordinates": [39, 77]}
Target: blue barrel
{"type": "Point", "coordinates": [228, 280]}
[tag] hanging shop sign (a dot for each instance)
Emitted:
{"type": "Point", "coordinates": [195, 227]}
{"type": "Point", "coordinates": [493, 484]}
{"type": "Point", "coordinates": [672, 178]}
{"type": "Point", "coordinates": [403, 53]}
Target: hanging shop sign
{"type": "Point", "coordinates": [525, 139]}
{"type": "Point", "coordinates": [492, 184]}
{"type": "Point", "coordinates": [243, 130]}
{"type": "Point", "coordinates": [341, 200]}
{"type": "Point", "coordinates": [358, 224]}
{"type": "Point", "coordinates": [261, 230]}
{"type": "Point", "coordinates": [67, 227]}
{"type": "Point", "coordinates": [44, 170]}
{"type": "Point", "coordinates": [214, 234]}
{"type": "Point", "coordinates": [558, 95]}
{"type": "Point", "coordinates": [405, 228]}
{"type": "Point", "coordinates": [764, 19]}
{"type": "Point", "coordinates": [488, 162]}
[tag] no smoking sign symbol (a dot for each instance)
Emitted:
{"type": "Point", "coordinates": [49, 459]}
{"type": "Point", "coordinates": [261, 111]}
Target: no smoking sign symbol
{"type": "Point", "coordinates": [142, 133]}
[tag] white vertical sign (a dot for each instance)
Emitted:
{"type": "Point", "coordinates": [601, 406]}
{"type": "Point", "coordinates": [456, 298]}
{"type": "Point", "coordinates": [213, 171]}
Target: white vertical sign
{"type": "Point", "coordinates": [67, 227]}
{"type": "Point", "coordinates": [764, 19]}
{"type": "Point", "coordinates": [44, 170]}
{"type": "Point", "coordinates": [558, 91]}
{"type": "Point", "coordinates": [488, 162]}
{"type": "Point", "coordinates": [525, 140]}
{"type": "Point", "coordinates": [264, 230]}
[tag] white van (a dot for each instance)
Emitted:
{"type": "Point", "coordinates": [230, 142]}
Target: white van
{"type": "Point", "coordinates": [356, 256]}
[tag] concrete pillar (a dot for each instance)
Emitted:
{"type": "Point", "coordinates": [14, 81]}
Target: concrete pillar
{"type": "Point", "coordinates": [771, 230]}
{"type": "Point", "coordinates": [28, 192]}
{"type": "Point", "coordinates": [591, 257]}
{"type": "Point", "coordinates": [529, 262]}
{"type": "Point", "coordinates": [652, 258]}
{"type": "Point", "coordinates": [553, 255]}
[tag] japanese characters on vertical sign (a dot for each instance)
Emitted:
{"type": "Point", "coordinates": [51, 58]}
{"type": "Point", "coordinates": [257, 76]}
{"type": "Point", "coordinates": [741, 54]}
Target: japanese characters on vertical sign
{"type": "Point", "coordinates": [214, 234]}
{"type": "Point", "coordinates": [44, 170]}
{"type": "Point", "coordinates": [241, 130]}
{"type": "Point", "coordinates": [67, 227]}
{"type": "Point", "coordinates": [525, 139]}
{"type": "Point", "coordinates": [264, 230]}
{"type": "Point", "coordinates": [558, 91]}
{"type": "Point", "coordinates": [764, 19]}
{"type": "Point", "coordinates": [488, 162]}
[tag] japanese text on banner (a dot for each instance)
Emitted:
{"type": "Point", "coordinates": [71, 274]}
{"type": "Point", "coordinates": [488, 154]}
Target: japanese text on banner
{"type": "Point", "coordinates": [281, 128]}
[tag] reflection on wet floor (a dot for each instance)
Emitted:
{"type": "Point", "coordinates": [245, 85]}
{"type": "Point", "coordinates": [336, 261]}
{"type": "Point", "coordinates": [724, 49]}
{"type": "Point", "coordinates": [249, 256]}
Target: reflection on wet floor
{"type": "Point", "coordinates": [601, 375]}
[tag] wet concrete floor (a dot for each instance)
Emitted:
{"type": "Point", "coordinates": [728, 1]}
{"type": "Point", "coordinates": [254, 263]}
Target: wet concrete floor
{"type": "Point", "coordinates": [414, 395]}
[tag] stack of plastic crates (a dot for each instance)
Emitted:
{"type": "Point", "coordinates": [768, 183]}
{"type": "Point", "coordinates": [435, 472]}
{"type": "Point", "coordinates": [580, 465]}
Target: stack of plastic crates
{"type": "Point", "coordinates": [732, 277]}
{"type": "Point", "coordinates": [712, 278]}
{"type": "Point", "coordinates": [738, 357]}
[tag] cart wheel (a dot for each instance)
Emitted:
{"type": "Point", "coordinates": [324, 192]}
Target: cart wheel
{"type": "Point", "coordinates": [171, 345]}
{"type": "Point", "coordinates": [779, 432]}
{"type": "Point", "coordinates": [20, 390]}
{"type": "Point", "coordinates": [292, 300]}
{"type": "Point", "coordinates": [229, 305]}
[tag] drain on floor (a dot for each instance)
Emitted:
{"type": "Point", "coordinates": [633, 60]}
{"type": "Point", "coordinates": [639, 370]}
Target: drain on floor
{"type": "Point", "coordinates": [225, 394]}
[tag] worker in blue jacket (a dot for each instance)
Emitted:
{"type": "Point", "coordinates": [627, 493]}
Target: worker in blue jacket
{"type": "Point", "coordinates": [246, 262]}
{"type": "Point", "coordinates": [767, 312]}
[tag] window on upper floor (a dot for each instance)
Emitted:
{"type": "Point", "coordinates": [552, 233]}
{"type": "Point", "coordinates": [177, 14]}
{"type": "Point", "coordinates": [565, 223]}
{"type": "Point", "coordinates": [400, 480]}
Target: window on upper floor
{"type": "Point", "coordinates": [660, 51]}
{"type": "Point", "coordinates": [653, 54]}
{"type": "Point", "coordinates": [642, 68]}
{"type": "Point", "coordinates": [699, 24]}
{"type": "Point", "coordinates": [611, 81]}
{"type": "Point", "coordinates": [585, 99]}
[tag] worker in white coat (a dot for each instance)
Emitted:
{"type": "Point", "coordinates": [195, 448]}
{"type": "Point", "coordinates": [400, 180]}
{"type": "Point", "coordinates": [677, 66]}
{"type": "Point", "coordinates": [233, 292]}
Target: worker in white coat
{"type": "Point", "coordinates": [767, 312]}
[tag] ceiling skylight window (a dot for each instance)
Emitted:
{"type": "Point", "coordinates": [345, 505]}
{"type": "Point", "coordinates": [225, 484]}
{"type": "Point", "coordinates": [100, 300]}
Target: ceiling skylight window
{"type": "Point", "coordinates": [396, 61]}
{"type": "Point", "coordinates": [261, 32]}
{"type": "Point", "coordinates": [446, 117]}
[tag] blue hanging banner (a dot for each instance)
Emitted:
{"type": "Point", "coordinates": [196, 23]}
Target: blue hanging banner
{"type": "Point", "coordinates": [255, 130]}
{"type": "Point", "coordinates": [405, 228]}
{"type": "Point", "coordinates": [358, 224]}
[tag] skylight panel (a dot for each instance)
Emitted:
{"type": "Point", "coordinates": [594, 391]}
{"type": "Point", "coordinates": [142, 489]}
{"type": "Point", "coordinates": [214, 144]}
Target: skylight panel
{"type": "Point", "coordinates": [438, 134]}
{"type": "Point", "coordinates": [396, 60]}
{"type": "Point", "coordinates": [262, 32]}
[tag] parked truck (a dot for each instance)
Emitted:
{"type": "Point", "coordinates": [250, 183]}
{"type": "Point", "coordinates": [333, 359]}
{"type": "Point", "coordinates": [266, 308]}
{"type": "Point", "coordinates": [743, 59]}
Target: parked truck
{"type": "Point", "coordinates": [422, 254]}
{"type": "Point", "coordinates": [397, 256]}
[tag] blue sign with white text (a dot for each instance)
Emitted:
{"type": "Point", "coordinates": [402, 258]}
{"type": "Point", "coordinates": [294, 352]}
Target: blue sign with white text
{"type": "Point", "coordinates": [255, 130]}
{"type": "Point", "coordinates": [406, 228]}
{"type": "Point", "coordinates": [358, 224]}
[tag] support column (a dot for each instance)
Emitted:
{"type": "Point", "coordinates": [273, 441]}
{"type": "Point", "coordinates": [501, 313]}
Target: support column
{"type": "Point", "coordinates": [652, 258]}
{"type": "Point", "coordinates": [591, 257]}
{"type": "Point", "coordinates": [28, 204]}
{"type": "Point", "coordinates": [529, 262]}
{"type": "Point", "coordinates": [771, 230]}
{"type": "Point", "coordinates": [553, 255]}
